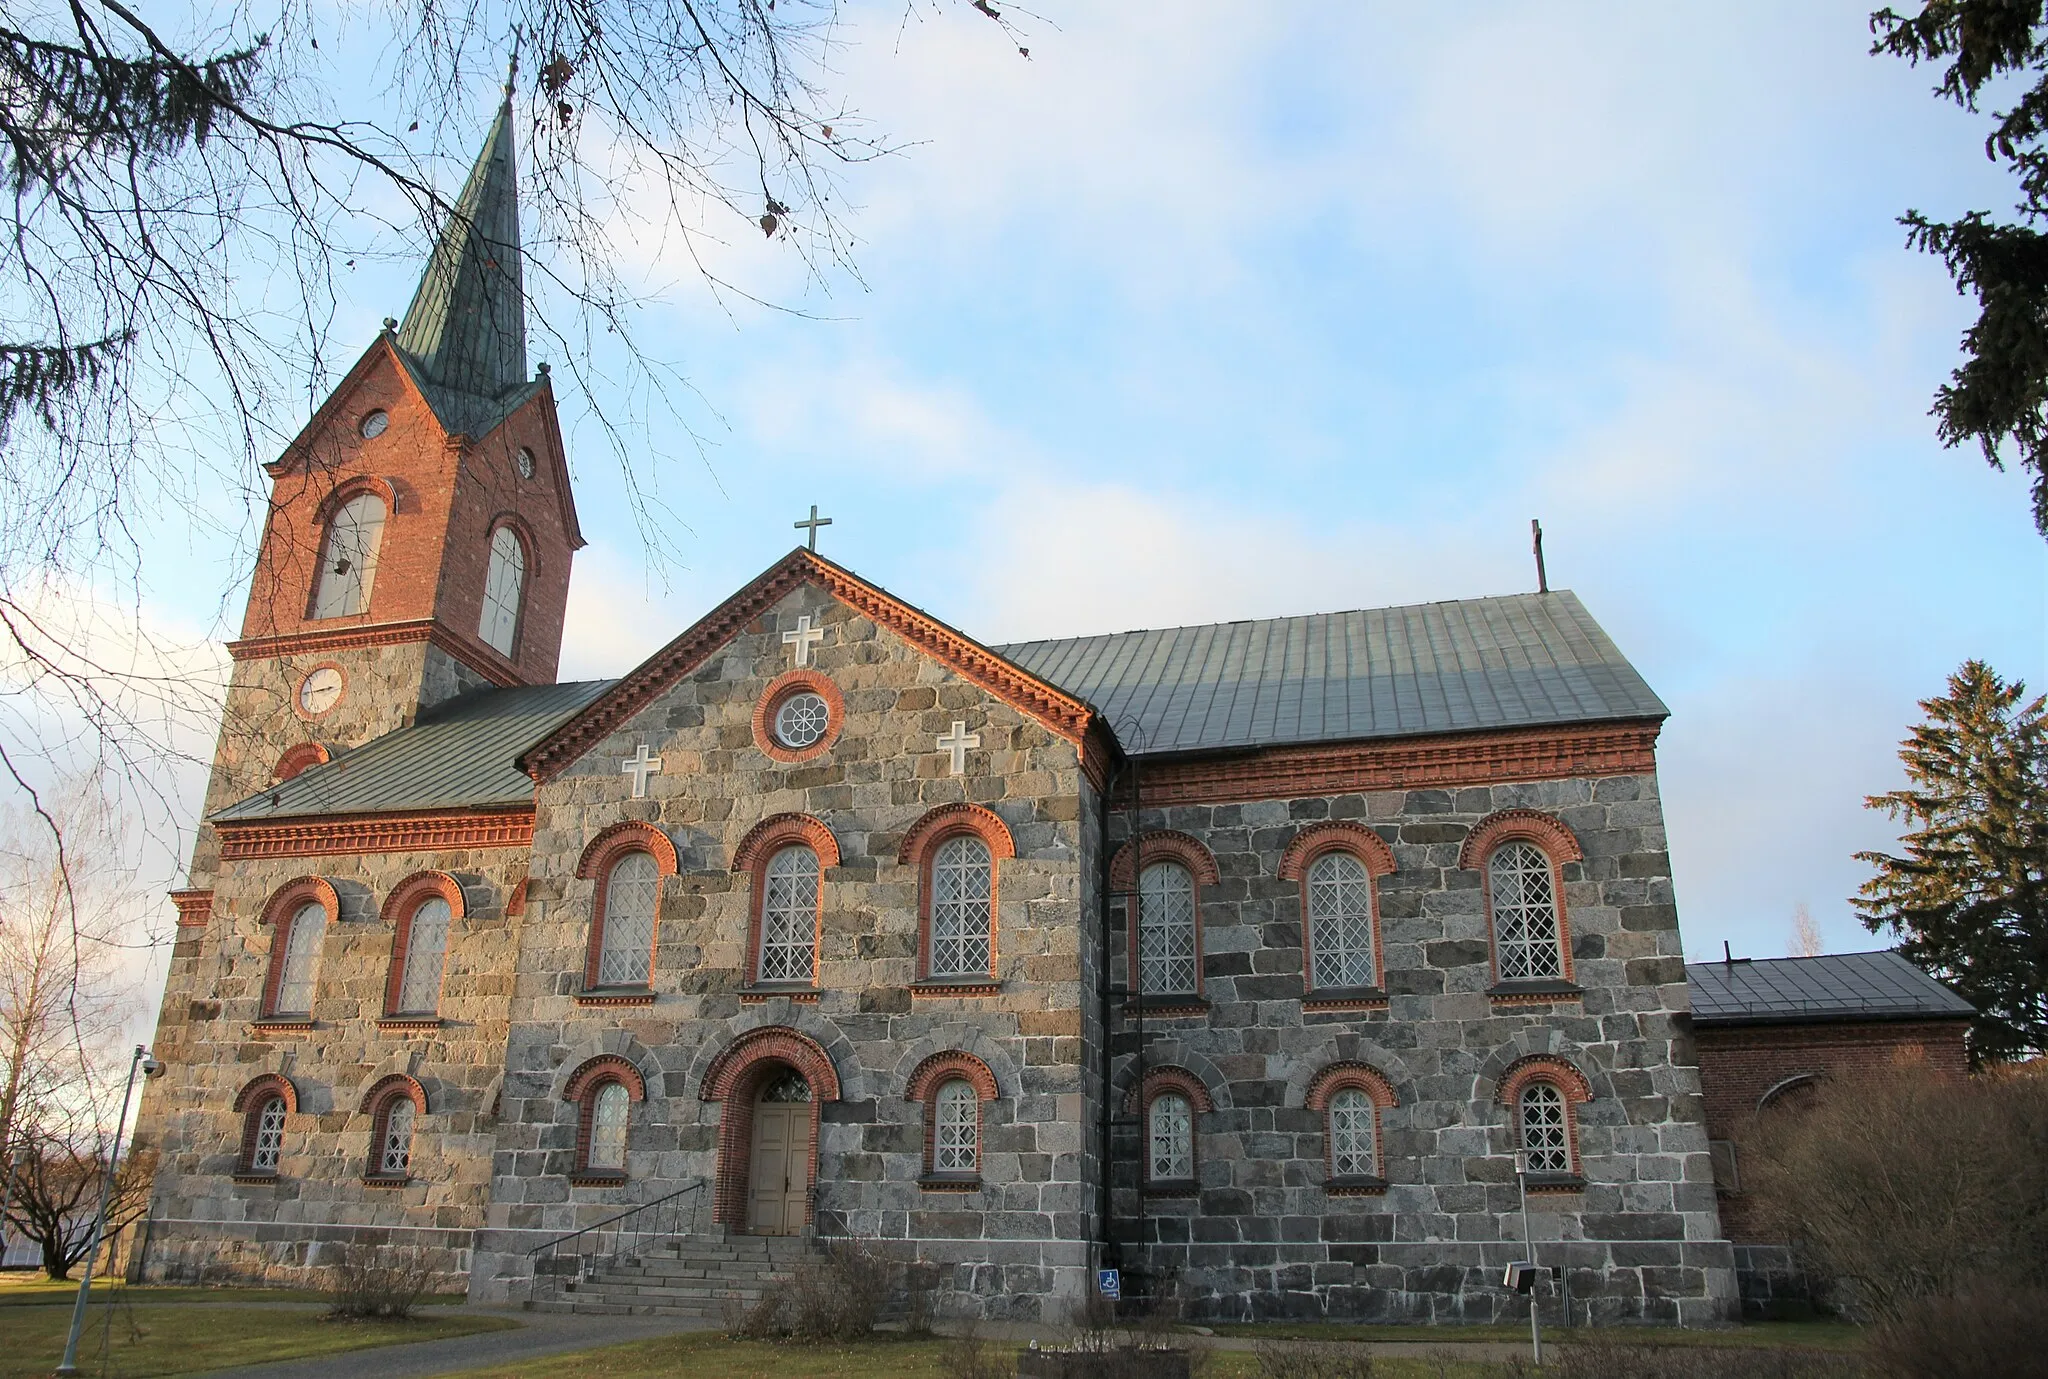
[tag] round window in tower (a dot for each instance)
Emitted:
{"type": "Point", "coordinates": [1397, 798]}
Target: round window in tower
{"type": "Point", "coordinates": [524, 459]}
{"type": "Point", "coordinates": [802, 720]}
{"type": "Point", "coordinates": [374, 424]}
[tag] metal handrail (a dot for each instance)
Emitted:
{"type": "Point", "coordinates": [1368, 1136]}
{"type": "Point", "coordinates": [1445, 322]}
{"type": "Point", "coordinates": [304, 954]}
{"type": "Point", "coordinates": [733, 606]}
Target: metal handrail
{"type": "Point", "coordinates": [658, 1218]}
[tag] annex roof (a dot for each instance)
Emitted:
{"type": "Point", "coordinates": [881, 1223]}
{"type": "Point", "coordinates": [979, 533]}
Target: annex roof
{"type": "Point", "coordinates": [1833, 987]}
{"type": "Point", "coordinates": [459, 754]}
{"type": "Point", "coordinates": [1518, 661]}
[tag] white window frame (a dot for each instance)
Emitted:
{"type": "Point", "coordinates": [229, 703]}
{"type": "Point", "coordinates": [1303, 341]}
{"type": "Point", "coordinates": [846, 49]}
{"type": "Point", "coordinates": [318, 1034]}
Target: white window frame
{"type": "Point", "coordinates": [1169, 951]}
{"type": "Point", "coordinates": [1170, 1138]}
{"type": "Point", "coordinates": [963, 908]}
{"type": "Point", "coordinates": [394, 1149]}
{"type": "Point", "coordinates": [299, 965]}
{"type": "Point", "coordinates": [789, 916]}
{"type": "Point", "coordinates": [268, 1145]}
{"type": "Point", "coordinates": [625, 952]}
{"type": "Point", "coordinates": [355, 535]}
{"type": "Point", "coordinates": [1522, 904]}
{"type": "Point", "coordinates": [956, 1128]}
{"type": "Point", "coordinates": [1354, 1134]}
{"type": "Point", "coordinates": [1339, 890]}
{"type": "Point", "coordinates": [504, 587]}
{"type": "Point", "coordinates": [611, 1116]}
{"type": "Point", "coordinates": [426, 953]}
{"type": "Point", "coordinates": [1546, 1137]}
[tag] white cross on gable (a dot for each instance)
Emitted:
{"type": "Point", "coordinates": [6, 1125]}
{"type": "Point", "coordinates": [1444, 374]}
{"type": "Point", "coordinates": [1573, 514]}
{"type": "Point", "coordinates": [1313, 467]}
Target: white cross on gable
{"type": "Point", "coordinates": [958, 742]}
{"type": "Point", "coordinates": [640, 766]}
{"type": "Point", "coordinates": [803, 638]}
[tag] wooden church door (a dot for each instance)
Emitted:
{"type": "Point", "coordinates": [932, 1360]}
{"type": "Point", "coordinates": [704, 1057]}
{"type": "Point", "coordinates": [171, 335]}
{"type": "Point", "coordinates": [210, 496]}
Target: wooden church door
{"type": "Point", "coordinates": [779, 1174]}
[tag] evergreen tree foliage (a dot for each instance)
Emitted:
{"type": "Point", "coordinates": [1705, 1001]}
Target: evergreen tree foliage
{"type": "Point", "coordinates": [1970, 894]}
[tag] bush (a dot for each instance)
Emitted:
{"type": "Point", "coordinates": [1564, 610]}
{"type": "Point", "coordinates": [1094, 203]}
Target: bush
{"type": "Point", "coordinates": [834, 1296]}
{"type": "Point", "coordinates": [1899, 1187]}
{"type": "Point", "coordinates": [381, 1280]}
{"type": "Point", "coordinates": [1988, 1331]}
{"type": "Point", "coordinates": [1607, 1355]}
{"type": "Point", "coordinates": [968, 1356]}
{"type": "Point", "coordinates": [1294, 1360]}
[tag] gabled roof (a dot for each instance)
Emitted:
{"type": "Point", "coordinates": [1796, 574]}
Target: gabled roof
{"type": "Point", "coordinates": [1060, 712]}
{"type": "Point", "coordinates": [1834, 987]}
{"type": "Point", "coordinates": [1519, 661]}
{"type": "Point", "coordinates": [458, 755]}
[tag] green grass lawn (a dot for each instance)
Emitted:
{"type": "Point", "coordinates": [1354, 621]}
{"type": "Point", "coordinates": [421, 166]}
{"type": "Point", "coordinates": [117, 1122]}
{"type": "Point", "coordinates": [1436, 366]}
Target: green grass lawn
{"type": "Point", "coordinates": [1757, 1335]}
{"type": "Point", "coordinates": [149, 1340]}
{"type": "Point", "coordinates": [28, 1289]}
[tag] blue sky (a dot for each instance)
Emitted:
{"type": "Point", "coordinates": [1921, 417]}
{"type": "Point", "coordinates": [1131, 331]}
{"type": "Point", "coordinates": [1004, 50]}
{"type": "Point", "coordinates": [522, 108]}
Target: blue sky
{"type": "Point", "coordinates": [1226, 310]}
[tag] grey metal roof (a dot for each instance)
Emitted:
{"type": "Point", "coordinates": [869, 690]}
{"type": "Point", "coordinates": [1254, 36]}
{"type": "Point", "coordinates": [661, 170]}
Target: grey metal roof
{"type": "Point", "coordinates": [1521, 660]}
{"type": "Point", "coordinates": [458, 754]}
{"type": "Point", "coordinates": [1836, 986]}
{"type": "Point", "coordinates": [465, 331]}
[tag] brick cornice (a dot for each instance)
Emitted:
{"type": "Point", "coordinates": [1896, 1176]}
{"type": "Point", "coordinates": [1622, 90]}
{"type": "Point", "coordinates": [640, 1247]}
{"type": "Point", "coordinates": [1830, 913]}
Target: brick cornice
{"type": "Point", "coordinates": [1449, 759]}
{"type": "Point", "coordinates": [195, 908]}
{"type": "Point", "coordinates": [325, 640]}
{"type": "Point", "coordinates": [339, 835]}
{"type": "Point", "coordinates": [1057, 710]}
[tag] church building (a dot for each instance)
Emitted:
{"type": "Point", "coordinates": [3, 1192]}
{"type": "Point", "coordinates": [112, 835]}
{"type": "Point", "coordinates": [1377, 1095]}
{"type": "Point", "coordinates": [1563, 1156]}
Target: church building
{"type": "Point", "coordinates": [1272, 959]}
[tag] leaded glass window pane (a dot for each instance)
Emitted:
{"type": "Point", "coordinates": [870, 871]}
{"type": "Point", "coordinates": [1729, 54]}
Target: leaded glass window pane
{"type": "Point", "coordinates": [1166, 929]}
{"type": "Point", "coordinates": [802, 720]}
{"type": "Point", "coordinates": [956, 1139]}
{"type": "Point", "coordinates": [1545, 1137]}
{"type": "Point", "coordinates": [1525, 935]}
{"type": "Point", "coordinates": [502, 581]}
{"type": "Point", "coordinates": [789, 916]}
{"type": "Point", "coordinates": [269, 1146]}
{"type": "Point", "coordinates": [1173, 1138]}
{"type": "Point", "coordinates": [1353, 1153]}
{"type": "Point", "coordinates": [348, 562]}
{"type": "Point", "coordinates": [301, 956]}
{"type": "Point", "coordinates": [962, 920]}
{"type": "Point", "coordinates": [1340, 920]}
{"type": "Point", "coordinates": [629, 895]}
{"type": "Point", "coordinates": [608, 1126]}
{"type": "Point", "coordinates": [426, 946]}
{"type": "Point", "coordinates": [790, 1087]}
{"type": "Point", "coordinates": [395, 1154]}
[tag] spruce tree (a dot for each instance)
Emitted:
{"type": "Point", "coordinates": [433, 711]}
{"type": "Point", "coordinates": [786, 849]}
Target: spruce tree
{"type": "Point", "coordinates": [1969, 897]}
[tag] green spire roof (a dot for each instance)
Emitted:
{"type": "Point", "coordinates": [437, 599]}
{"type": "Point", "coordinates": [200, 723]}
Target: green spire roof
{"type": "Point", "coordinates": [465, 333]}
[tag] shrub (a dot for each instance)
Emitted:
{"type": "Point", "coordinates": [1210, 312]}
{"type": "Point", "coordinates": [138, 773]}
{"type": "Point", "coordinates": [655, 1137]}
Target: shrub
{"type": "Point", "coordinates": [1608, 1355]}
{"type": "Point", "coordinates": [380, 1280]}
{"type": "Point", "coordinates": [1988, 1331]}
{"type": "Point", "coordinates": [833, 1296]}
{"type": "Point", "coordinates": [968, 1356]}
{"type": "Point", "coordinates": [1294, 1360]}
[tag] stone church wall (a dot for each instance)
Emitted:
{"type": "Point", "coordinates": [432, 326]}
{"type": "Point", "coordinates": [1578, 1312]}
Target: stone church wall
{"type": "Point", "coordinates": [1004, 1247]}
{"type": "Point", "coordinates": [1262, 1237]}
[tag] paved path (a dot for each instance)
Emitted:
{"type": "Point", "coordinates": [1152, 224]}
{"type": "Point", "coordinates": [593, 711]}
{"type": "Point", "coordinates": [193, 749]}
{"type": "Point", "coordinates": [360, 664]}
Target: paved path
{"type": "Point", "coordinates": [539, 1333]}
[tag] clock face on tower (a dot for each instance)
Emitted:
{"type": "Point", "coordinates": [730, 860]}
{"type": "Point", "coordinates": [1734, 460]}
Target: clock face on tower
{"type": "Point", "coordinates": [320, 690]}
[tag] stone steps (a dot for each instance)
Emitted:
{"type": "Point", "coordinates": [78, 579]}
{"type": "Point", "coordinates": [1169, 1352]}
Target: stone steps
{"type": "Point", "coordinates": [689, 1276]}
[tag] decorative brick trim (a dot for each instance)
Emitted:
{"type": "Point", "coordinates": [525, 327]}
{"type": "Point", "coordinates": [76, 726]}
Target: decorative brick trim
{"type": "Point", "coordinates": [796, 995]}
{"type": "Point", "coordinates": [438, 831]}
{"type": "Point", "coordinates": [399, 908]}
{"type": "Point", "coordinates": [1509, 994]}
{"type": "Point", "coordinates": [1336, 836]}
{"type": "Point", "coordinates": [1168, 1078]}
{"type": "Point", "coordinates": [484, 660]}
{"type": "Point", "coordinates": [920, 845]}
{"type": "Point", "coordinates": [1374, 1186]}
{"type": "Point", "coordinates": [341, 493]}
{"type": "Point", "coordinates": [616, 997]}
{"type": "Point", "coordinates": [1546, 831]}
{"type": "Point", "coordinates": [1163, 845]}
{"type": "Point", "coordinates": [1449, 759]}
{"type": "Point", "coordinates": [606, 1067]}
{"type": "Point", "coordinates": [379, 1093]}
{"type": "Point", "coordinates": [259, 1088]}
{"type": "Point", "coordinates": [942, 823]}
{"type": "Point", "coordinates": [359, 637]}
{"type": "Point", "coordinates": [249, 1103]}
{"type": "Point", "coordinates": [406, 1024]}
{"type": "Point", "coordinates": [195, 908]}
{"type": "Point", "coordinates": [277, 1026]}
{"type": "Point", "coordinates": [1337, 1076]}
{"type": "Point", "coordinates": [735, 1077]}
{"type": "Point", "coordinates": [277, 914]}
{"type": "Point", "coordinates": [767, 837]}
{"type": "Point", "coordinates": [782, 688]}
{"type": "Point", "coordinates": [515, 903]}
{"type": "Point", "coordinates": [1338, 999]}
{"type": "Point", "coordinates": [932, 987]}
{"type": "Point", "coordinates": [600, 857]}
{"type": "Point", "coordinates": [297, 759]}
{"type": "Point", "coordinates": [925, 1081]}
{"type": "Point", "coordinates": [1543, 1067]}
{"type": "Point", "coordinates": [1060, 712]}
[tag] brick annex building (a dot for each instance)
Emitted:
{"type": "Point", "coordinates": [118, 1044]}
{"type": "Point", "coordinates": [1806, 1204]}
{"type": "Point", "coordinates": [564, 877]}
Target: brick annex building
{"type": "Point", "coordinates": [819, 922]}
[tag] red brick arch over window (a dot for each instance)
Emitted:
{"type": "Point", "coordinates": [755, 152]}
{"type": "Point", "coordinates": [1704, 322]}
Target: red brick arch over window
{"type": "Point", "coordinates": [779, 691]}
{"type": "Point", "coordinates": [1543, 1068]}
{"type": "Point", "coordinates": [735, 1078]}
{"type": "Point", "coordinates": [1546, 831]}
{"type": "Point", "coordinates": [390, 1085]}
{"type": "Point", "coordinates": [1164, 845]}
{"type": "Point", "coordinates": [769, 836]}
{"type": "Point", "coordinates": [1338, 1076]}
{"type": "Point", "coordinates": [352, 488]}
{"type": "Point", "coordinates": [261, 1088]}
{"type": "Point", "coordinates": [297, 759]}
{"type": "Point", "coordinates": [399, 908]}
{"type": "Point", "coordinates": [596, 863]}
{"type": "Point", "coordinates": [1168, 1078]}
{"type": "Point", "coordinates": [277, 913]}
{"type": "Point", "coordinates": [606, 1067]}
{"type": "Point", "coordinates": [1337, 836]}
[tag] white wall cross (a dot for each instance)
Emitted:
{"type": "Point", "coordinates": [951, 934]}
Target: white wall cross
{"type": "Point", "coordinates": [640, 766]}
{"type": "Point", "coordinates": [957, 742]}
{"type": "Point", "coordinates": [803, 638]}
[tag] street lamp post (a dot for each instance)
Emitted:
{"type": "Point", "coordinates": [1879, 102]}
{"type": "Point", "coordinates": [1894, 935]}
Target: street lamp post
{"type": "Point", "coordinates": [149, 1068]}
{"type": "Point", "coordinates": [1528, 1248]}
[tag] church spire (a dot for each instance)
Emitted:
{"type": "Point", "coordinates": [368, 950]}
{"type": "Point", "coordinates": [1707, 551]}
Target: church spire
{"type": "Point", "coordinates": [466, 328]}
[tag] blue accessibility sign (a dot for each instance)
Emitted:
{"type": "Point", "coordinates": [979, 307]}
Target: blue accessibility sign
{"type": "Point", "coordinates": [1109, 1282]}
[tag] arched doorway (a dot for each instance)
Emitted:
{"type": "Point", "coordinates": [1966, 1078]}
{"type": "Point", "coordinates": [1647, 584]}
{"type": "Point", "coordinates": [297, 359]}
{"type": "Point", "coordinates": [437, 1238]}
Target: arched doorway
{"type": "Point", "coordinates": [772, 1081]}
{"type": "Point", "coordinates": [780, 1158]}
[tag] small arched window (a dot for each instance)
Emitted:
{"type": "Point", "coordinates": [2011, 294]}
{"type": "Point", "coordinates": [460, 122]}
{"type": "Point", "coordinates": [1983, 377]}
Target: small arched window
{"type": "Point", "coordinates": [962, 908]}
{"type": "Point", "coordinates": [956, 1130]}
{"type": "Point", "coordinates": [391, 1137]}
{"type": "Point", "coordinates": [264, 1135]}
{"type": "Point", "coordinates": [789, 916]}
{"type": "Point", "coordinates": [625, 936]}
{"type": "Point", "coordinates": [1354, 1135]}
{"type": "Point", "coordinates": [1545, 1124]}
{"type": "Point", "coordinates": [607, 1114]}
{"type": "Point", "coordinates": [426, 949]}
{"type": "Point", "coordinates": [348, 558]}
{"type": "Point", "coordinates": [1522, 896]}
{"type": "Point", "coordinates": [298, 959]}
{"type": "Point", "coordinates": [1340, 921]}
{"type": "Point", "coordinates": [1170, 1130]}
{"type": "Point", "coordinates": [1166, 930]}
{"type": "Point", "coordinates": [503, 582]}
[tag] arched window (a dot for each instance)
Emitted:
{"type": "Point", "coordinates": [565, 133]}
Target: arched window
{"type": "Point", "coordinates": [1545, 1122]}
{"type": "Point", "coordinates": [789, 916]}
{"type": "Point", "coordinates": [297, 959]}
{"type": "Point", "coordinates": [1354, 1135]}
{"type": "Point", "coordinates": [962, 908]}
{"type": "Point", "coordinates": [348, 558]}
{"type": "Point", "coordinates": [426, 948]}
{"type": "Point", "coordinates": [1522, 896]}
{"type": "Point", "coordinates": [625, 937]}
{"type": "Point", "coordinates": [607, 1111]}
{"type": "Point", "coordinates": [1166, 929]}
{"type": "Point", "coordinates": [265, 1134]}
{"type": "Point", "coordinates": [1340, 921]}
{"type": "Point", "coordinates": [1170, 1132]}
{"type": "Point", "coordinates": [503, 581]}
{"type": "Point", "coordinates": [956, 1129]}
